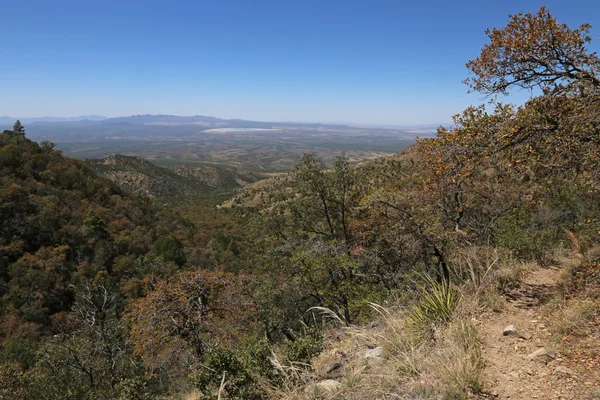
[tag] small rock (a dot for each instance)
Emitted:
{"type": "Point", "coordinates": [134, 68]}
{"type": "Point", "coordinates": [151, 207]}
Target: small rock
{"type": "Point", "coordinates": [373, 353]}
{"type": "Point", "coordinates": [329, 385]}
{"type": "Point", "coordinates": [543, 354]}
{"type": "Point", "coordinates": [525, 335]}
{"type": "Point", "coordinates": [510, 330]}
{"type": "Point", "coordinates": [371, 357]}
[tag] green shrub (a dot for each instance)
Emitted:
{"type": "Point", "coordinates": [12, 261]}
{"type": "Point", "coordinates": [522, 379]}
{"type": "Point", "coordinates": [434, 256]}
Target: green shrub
{"type": "Point", "coordinates": [303, 349]}
{"type": "Point", "coordinates": [222, 369]}
{"type": "Point", "coordinates": [256, 357]}
{"type": "Point", "coordinates": [436, 306]}
{"type": "Point", "coordinates": [19, 350]}
{"type": "Point", "coordinates": [170, 248]}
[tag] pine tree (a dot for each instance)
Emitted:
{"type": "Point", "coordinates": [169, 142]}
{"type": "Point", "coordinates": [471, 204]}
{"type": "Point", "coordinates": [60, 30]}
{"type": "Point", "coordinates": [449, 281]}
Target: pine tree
{"type": "Point", "coordinates": [18, 129]}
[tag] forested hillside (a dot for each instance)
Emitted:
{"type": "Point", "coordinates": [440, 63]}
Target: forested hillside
{"type": "Point", "coordinates": [109, 296]}
{"type": "Point", "coordinates": [143, 178]}
{"type": "Point", "coordinates": [67, 235]}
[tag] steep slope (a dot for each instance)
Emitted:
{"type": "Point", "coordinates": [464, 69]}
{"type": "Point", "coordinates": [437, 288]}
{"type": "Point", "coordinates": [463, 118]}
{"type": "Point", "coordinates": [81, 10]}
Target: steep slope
{"type": "Point", "coordinates": [217, 177]}
{"type": "Point", "coordinates": [537, 344]}
{"type": "Point", "coordinates": [60, 224]}
{"type": "Point", "coordinates": [144, 178]}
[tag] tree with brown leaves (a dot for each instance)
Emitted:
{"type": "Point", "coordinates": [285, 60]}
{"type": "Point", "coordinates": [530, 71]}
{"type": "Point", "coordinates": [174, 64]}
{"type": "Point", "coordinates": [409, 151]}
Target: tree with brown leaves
{"type": "Point", "coordinates": [176, 323]}
{"type": "Point", "coordinates": [535, 51]}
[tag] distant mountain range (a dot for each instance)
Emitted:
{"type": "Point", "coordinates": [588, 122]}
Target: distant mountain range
{"type": "Point", "coordinates": [138, 127]}
{"type": "Point", "coordinates": [30, 120]}
{"type": "Point", "coordinates": [168, 127]}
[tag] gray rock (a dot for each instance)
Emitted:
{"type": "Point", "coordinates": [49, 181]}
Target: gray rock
{"type": "Point", "coordinates": [374, 353]}
{"type": "Point", "coordinates": [543, 354]}
{"type": "Point", "coordinates": [511, 331]}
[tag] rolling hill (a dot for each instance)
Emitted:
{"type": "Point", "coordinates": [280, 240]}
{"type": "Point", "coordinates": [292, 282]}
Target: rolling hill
{"type": "Point", "coordinates": [141, 177]}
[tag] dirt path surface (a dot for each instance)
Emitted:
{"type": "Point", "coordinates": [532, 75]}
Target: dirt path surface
{"type": "Point", "coordinates": [509, 373]}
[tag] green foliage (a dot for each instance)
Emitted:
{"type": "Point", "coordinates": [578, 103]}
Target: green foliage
{"type": "Point", "coordinates": [19, 350]}
{"type": "Point", "coordinates": [170, 248]}
{"type": "Point", "coordinates": [61, 227]}
{"type": "Point", "coordinates": [137, 388]}
{"type": "Point", "coordinates": [15, 383]}
{"type": "Point", "coordinates": [534, 229]}
{"type": "Point", "coordinates": [512, 234]}
{"type": "Point", "coordinates": [436, 307]}
{"type": "Point", "coordinates": [94, 226]}
{"type": "Point", "coordinates": [303, 349]}
{"type": "Point", "coordinates": [313, 201]}
{"type": "Point", "coordinates": [256, 356]}
{"type": "Point", "coordinates": [222, 367]}
{"type": "Point", "coordinates": [93, 361]}
{"type": "Point", "coordinates": [18, 130]}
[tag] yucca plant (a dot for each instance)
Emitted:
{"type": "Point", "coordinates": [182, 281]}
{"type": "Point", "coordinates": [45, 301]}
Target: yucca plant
{"type": "Point", "coordinates": [436, 306]}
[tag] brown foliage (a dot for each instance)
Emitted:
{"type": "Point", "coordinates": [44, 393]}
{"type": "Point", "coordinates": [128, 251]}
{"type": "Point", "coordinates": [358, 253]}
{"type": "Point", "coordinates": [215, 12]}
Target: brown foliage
{"type": "Point", "coordinates": [177, 322]}
{"type": "Point", "coordinates": [534, 50]}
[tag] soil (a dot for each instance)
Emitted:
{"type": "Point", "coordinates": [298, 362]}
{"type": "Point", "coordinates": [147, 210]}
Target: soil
{"type": "Point", "coordinates": [508, 372]}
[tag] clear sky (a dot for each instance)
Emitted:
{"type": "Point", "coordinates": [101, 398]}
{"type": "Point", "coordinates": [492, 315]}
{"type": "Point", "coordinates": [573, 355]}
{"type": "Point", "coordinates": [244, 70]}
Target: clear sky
{"type": "Point", "coordinates": [376, 62]}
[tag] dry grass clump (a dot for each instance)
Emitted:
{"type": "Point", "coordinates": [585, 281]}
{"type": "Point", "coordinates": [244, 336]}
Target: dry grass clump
{"type": "Point", "coordinates": [487, 273]}
{"type": "Point", "coordinates": [457, 363]}
{"type": "Point", "coordinates": [483, 268]}
{"type": "Point", "coordinates": [446, 362]}
{"type": "Point", "coordinates": [573, 317]}
{"type": "Point", "coordinates": [578, 274]}
{"type": "Point", "coordinates": [573, 312]}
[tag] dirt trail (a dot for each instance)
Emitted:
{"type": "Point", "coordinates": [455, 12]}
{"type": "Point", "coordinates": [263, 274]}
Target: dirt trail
{"type": "Point", "coordinates": [508, 373]}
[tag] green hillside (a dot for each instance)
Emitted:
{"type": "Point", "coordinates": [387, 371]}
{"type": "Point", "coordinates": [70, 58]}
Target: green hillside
{"type": "Point", "coordinates": [144, 178]}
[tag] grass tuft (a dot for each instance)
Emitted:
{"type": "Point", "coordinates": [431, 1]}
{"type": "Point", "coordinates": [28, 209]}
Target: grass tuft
{"type": "Point", "coordinates": [436, 307]}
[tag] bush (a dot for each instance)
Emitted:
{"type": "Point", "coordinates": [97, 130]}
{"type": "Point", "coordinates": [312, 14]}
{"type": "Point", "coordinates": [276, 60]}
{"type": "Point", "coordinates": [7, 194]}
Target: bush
{"type": "Point", "coordinates": [170, 248]}
{"type": "Point", "coordinates": [223, 371]}
{"type": "Point", "coordinates": [18, 350]}
{"type": "Point", "coordinates": [302, 350]}
{"type": "Point", "coordinates": [14, 382]}
{"type": "Point", "coordinates": [437, 306]}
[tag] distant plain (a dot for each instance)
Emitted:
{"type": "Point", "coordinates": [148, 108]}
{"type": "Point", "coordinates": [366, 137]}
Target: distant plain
{"type": "Point", "coordinates": [256, 146]}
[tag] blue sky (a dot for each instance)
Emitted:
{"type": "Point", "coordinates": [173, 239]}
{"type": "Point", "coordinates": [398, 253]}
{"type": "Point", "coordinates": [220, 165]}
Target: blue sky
{"type": "Point", "coordinates": [372, 62]}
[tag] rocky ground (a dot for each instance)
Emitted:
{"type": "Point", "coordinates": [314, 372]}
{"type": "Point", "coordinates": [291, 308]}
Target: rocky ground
{"type": "Point", "coordinates": [543, 342]}
{"type": "Point", "coordinates": [523, 357]}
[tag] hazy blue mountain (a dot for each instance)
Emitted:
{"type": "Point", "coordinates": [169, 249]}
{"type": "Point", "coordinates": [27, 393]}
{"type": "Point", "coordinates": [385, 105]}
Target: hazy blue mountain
{"type": "Point", "coordinates": [31, 120]}
{"type": "Point", "coordinates": [138, 127]}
